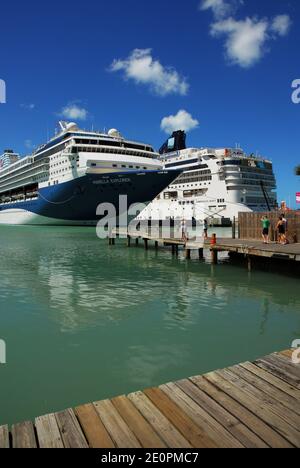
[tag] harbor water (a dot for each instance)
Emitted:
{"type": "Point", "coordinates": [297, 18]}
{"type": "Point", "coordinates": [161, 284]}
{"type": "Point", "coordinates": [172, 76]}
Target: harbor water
{"type": "Point", "coordinates": [83, 321]}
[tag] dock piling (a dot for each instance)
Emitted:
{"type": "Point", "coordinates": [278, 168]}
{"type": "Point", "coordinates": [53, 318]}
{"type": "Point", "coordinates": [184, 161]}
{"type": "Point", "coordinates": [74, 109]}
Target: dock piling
{"type": "Point", "coordinates": [214, 256]}
{"type": "Point", "coordinates": [188, 254]}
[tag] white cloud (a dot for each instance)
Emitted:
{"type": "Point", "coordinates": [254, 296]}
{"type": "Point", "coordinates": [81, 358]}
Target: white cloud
{"type": "Point", "coordinates": [245, 39]}
{"type": "Point", "coordinates": [74, 112]}
{"type": "Point", "coordinates": [28, 106]}
{"type": "Point", "coordinates": [220, 8]}
{"type": "Point", "coordinates": [28, 144]}
{"type": "Point", "coordinates": [281, 25]}
{"type": "Point", "coordinates": [141, 67]}
{"type": "Point", "coordinates": [181, 121]}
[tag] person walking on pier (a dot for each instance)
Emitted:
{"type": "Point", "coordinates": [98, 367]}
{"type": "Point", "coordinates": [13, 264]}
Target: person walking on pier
{"type": "Point", "coordinates": [266, 228]}
{"type": "Point", "coordinates": [281, 228]}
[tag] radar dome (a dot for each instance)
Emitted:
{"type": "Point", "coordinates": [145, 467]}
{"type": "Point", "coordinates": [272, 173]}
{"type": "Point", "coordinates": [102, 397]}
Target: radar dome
{"type": "Point", "coordinates": [113, 132]}
{"type": "Point", "coordinates": [72, 126]}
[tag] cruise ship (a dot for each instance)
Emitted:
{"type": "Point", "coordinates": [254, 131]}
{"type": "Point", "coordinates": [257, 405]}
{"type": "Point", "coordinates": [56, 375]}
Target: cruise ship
{"type": "Point", "coordinates": [216, 184]}
{"type": "Point", "coordinates": [63, 181]}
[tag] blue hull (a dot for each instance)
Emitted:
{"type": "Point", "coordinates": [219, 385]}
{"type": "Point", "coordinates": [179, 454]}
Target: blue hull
{"type": "Point", "coordinates": [76, 201]}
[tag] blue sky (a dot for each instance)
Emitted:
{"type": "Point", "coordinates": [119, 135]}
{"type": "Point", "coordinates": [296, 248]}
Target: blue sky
{"type": "Point", "coordinates": [228, 64]}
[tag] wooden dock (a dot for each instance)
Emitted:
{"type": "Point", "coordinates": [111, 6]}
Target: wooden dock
{"type": "Point", "coordinates": [250, 250]}
{"type": "Point", "coordinates": [252, 405]}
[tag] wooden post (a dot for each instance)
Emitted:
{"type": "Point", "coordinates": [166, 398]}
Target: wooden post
{"type": "Point", "coordinates": [156, 245]}
{"type": "Point", "coordinates": [173, 249]}
{"type": "Point", "coordinates": [201, 254]}
{"type": "Point", "coordinates": [214, 256]}
{"type": "Point", "coordinates": [146, 244]}
{"type": "Point", "coordinates": [234, 228]}
{"type": "Point", "coordinates": [177, 250]}
{"type": "Point", "coordinates": [249, 263]}
{"type": "Point", "coordinates": [137, 241]}
{"type": "Point", "coordinates": [128, 241]}
{"type": "Point", "coordinates": [188, 254]}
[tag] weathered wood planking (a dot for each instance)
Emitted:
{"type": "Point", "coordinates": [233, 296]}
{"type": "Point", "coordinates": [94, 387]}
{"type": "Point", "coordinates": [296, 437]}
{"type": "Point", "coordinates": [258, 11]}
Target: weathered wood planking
{"type": "Point", "coordinates": [246, 414]}
{"type": "Point", "coordinates": [70, 430]}
{"type": "Point", "coordinates": [253, 405]}
{"type": "Point", "coordinates": [4, 437]}
{"type": "Point", "coordinates": [232, 424]}
{"type": "Point", "coordinates": [217, 433]}
{"type": "Point", "coordinates": [93, 428]}
{"type": "Point", "coordinates": [48, 432]}
{"type": "Point", "coordinates": [162, 425]}
{"type": "Point", "coordinates": [120, 433]}
{"type": "Point", "coordinates": [137, 423]}
{"type": "Point", "coordinates": [23, 435]}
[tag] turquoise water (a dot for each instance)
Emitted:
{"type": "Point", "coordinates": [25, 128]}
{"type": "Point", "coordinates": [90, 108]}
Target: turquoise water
{"type": "Point", "coordinates": [83, 321]}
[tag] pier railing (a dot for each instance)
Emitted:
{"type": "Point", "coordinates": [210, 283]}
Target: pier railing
{"type": "Point", "coordinates": [250, 226]}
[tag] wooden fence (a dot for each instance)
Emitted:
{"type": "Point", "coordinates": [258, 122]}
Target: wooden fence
{"type": "Point", "coordinates": [250, 226]}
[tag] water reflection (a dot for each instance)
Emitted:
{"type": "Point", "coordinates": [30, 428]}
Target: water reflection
{"type": "Point", "coordinates": [98, 321]}
{"type": "Point", "coordinates": [80, 283]}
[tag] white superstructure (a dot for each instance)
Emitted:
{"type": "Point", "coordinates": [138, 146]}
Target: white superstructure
{"type": "Point", "coordinates": [65, 180]}
{"type": "Point", "coordinates": [216, 184]}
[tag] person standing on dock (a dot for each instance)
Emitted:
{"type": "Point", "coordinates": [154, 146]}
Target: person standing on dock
{"type": "Point", "coordinates": [266, 228]}
{"type": "Point", "coordinates": [183, 230]}
{"type": "Point", "coordinates": [281, 228]}
{"type": "Point", "coordinates": [205, 229]}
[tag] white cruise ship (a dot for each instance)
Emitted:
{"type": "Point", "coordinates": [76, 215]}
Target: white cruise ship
{"type": "Point", "coordinates": [215, 185]}
{"type": "Point", "coordinates": [65, 180]}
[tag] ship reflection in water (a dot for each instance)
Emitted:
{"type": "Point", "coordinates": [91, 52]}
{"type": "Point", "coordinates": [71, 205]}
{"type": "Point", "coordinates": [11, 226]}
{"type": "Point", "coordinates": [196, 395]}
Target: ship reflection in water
{"type": "Point", "coordinates": [98, 321]}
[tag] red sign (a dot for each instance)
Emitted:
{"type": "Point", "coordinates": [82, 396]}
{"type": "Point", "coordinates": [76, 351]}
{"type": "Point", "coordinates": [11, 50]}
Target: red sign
{"type": "Point", "coordinates": [298, 197]}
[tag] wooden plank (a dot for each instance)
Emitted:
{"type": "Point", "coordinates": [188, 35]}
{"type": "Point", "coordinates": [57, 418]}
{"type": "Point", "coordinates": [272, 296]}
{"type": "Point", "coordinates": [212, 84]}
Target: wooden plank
{"type": "Point", "coordinates": [287, 353]}
{"type": "Point", "coordinates": [244, 414]}
{"type": "Point", "coordinates": [120, 433]}
{"type": "Point", "coordinates": [93, 428]}
{"type": "Point", "coordinates": [255, 405]}
{"type": "Point", "coordinates": [183, 423]}
{"type": "Point", "coordinates": [23, 435]}
{"type": "Point", "coordinates": [70, 430]}
{"type": "Point", "coordinates": [210, 427]}
{"type": "Point", "coordinates": [288, 364]}
{"type": "Point", "coordinates": [233, 425]}
{"type": "Point", "coordinates": [48, 432]}
{"type": "Point", "coordinates": [143, 431]}
{"type": "Point", "coordinates": [168, 433]}
{"type": "Point", "coordinates": [274, 368]}
{"type": "Point", "coordinates": [278, 396]}
{"type": "Point", "coordinates": [269, 401]}
{"type": "Point", "coordinates": [4, 437]}
{"type": "Point", "coordinates": [273, 380]}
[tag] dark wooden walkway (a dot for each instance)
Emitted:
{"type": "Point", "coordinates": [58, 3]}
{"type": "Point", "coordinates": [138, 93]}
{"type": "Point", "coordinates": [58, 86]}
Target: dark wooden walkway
{"type": "Point", "coordinates": [249, 405]}
{"type": "Point", "coordinates": [259, 249]}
